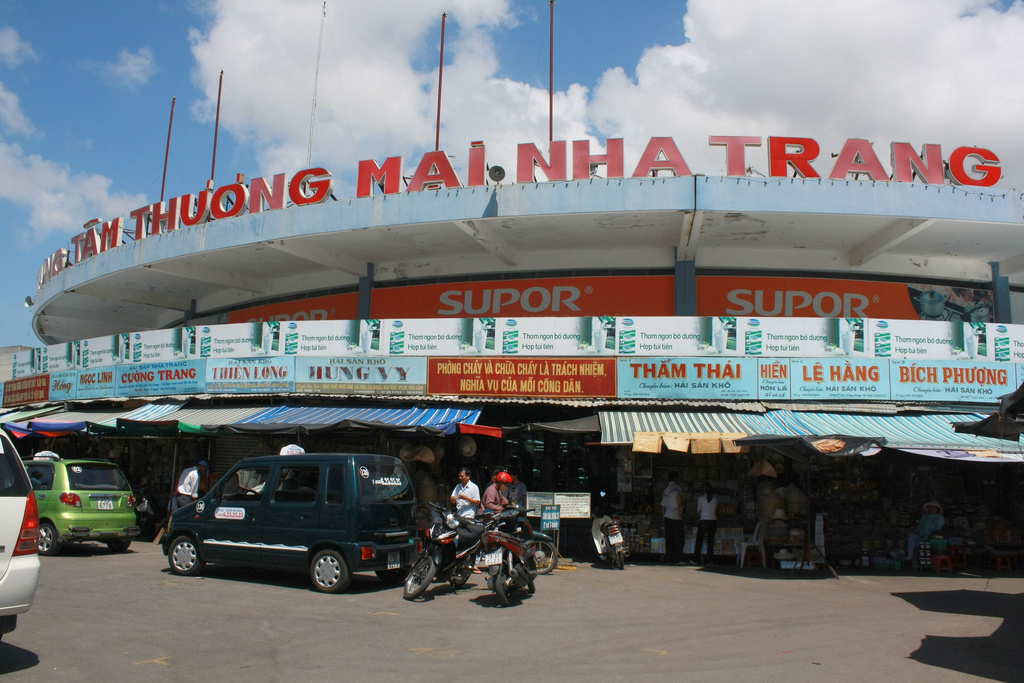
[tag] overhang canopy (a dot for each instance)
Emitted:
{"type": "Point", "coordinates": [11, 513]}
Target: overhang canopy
{"type": "Point", "coordinates": [309, 419]}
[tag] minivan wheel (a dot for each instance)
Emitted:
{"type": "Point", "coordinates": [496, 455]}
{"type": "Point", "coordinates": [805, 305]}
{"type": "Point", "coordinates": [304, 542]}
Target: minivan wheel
{"type": "Point", "coordinates": [49, 539]}
{"type": "Point", "coordinates": [119, 545]}
{"type": "Point", "coordinates": [329, 572]}
{"type": "Point", "coordinates": [183, 557]}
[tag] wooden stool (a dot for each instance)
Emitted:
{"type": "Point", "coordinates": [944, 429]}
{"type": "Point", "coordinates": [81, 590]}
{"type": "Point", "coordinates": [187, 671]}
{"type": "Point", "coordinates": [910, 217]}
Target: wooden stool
{"type": "Point", "coordinates": [1004, 562]}
{"type": "Point", "coordinates": [940, 561]}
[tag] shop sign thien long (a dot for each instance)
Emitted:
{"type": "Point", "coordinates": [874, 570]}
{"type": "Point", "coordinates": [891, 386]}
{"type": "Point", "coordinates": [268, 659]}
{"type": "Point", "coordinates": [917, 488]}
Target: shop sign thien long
{"type": "Point", "coordinates": [969, 166]}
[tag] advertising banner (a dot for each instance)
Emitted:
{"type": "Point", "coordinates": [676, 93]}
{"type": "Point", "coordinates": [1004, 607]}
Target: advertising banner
{"type": "Point", "coordinates": [551, 297]}
{"type": "Point", "coordinates": [153, 346]}
{"type": "Point", "coordinates": [923, 339]}
{"type": "Point", "coordinates": [735, 378]}
{"type": "Point", "coordinates": [226, 341]}
{"type": "Point", "coordinates": [23, 363]}
{"type": "Point", "coordinates": [162, 379]}
{"type": "Point", "coordinates": [423, 337]}
{"type": "Point", "coordinates": [317, 338]}
{"type": "Point", "coordinates": [361, 375]}
{"type": "Point", "coordinates": [988, 341]}
{"type": "Point", "coordinates": [250, 375]}
{"type": "Point", "coordinates": [60, 357]}
{"type": "Point", "coordinates": [917, 380]}
{"type": "Point", "coordinates": [650, 336]}
{"type": "Point", "coordinates": [797, 337]}
{"type": "Point", "coordinates": [97, 383]}
{"type": "Point", "coordinates": [538, 377]}
{"type": "Point", "coordinates": [64, 385]}
{"type": "Point", "coordinates": [719, 295]}
{"type": "Point", "coordinates": [27, 390]}
{"type": "Point", "coordinates": [824, 380]}
{"type": "Point", "coordinates": [332, 307]}
{"type": "Point", "coordinates": [99, 352]}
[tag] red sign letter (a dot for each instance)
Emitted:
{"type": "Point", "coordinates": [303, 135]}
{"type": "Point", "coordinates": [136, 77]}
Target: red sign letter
{"type": "Point", "coordinates": [961, 174]}
{"type": "Point", "coordinates": [857, 157]}
{"type": "Point", "coordinates": [780, 158]}
{"type": "Point", "coordinates": [906, 165]}
{"type": "Point", "coordinates": [735, 151]}
{"type": "Point", "coordinates": [530, 156]}
{"type": "Point", "coordinates": [651, 161]}
{"type": "Point", "coordinates": [434, 171]}
{"type": "Point", "coordinates": [370, 174]}
{"type": "Point", "coordinates": [583, 162]}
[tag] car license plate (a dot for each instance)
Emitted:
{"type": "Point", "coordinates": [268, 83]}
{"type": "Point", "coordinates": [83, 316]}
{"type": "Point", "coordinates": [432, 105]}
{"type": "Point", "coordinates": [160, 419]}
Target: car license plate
{"type": "Point", "coordinates": [615, 539]}
{"type": "Point", "coordinates": [105, 504]}
{"type": "Point", "coordinates": [394, 560]}
{"type": "Point", "coordinates": [490, 559]}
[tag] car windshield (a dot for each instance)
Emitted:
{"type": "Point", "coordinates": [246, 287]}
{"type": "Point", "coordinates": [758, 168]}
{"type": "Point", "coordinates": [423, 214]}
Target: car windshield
{"type": "Point", "coordinates": [384, 483]}
{"type": "Point", "coordinates": [88, 476]}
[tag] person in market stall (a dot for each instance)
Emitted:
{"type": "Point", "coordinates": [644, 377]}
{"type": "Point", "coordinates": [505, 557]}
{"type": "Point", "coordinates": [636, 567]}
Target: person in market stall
{"type": "Point", "coordinates": [494, 499]}
{"type": "Point", "coordinates": [466, 495]}
{"type": "Point", "coordinates": [672, 510]}
{"type": "Point", "coordinates": [707, 524]}
{"type": "Point", "coordinates": [516, 493]}
{"type": "Point", "coordinates": [930, 524]}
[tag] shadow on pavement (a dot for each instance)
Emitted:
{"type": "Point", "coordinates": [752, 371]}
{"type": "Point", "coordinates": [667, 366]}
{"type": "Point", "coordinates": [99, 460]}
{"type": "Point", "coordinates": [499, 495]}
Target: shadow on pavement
{"type": "Point", "coordinates": [14, 658]}
{"type": "Point", "coordinates": [997, 656]}
{"type": "Point", "coordinates": [361, 583]}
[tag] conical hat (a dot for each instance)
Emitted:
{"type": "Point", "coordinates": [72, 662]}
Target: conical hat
{"type": "Point", "coordinates": [423, 454]}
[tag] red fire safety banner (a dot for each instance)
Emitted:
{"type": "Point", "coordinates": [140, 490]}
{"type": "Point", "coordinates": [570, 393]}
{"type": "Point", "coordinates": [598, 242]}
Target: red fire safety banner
{"type": "Point", "coordinates": [544, 377]}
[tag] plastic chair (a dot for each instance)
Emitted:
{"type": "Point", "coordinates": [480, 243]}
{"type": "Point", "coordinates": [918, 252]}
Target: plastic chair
{"type": "Point", "coordinates": [958, 552]}
{"type": "Point", "coordinates": [940, 554]}
{"type": "Point", "coordinates": [755, 541]}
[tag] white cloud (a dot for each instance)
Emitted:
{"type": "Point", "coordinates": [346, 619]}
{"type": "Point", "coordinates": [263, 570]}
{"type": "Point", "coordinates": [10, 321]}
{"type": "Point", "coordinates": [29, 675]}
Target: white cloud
{"type": "Point", "coordinates": [14, 50]}
{"type": "Point", "coordinates": [11, 117]}
{"type": "Point", "coordinates": [130, 70]}
{"type": "Point", "coordinates": [916, 71]}
{"type": "Point", "coordinates": [56, 198]}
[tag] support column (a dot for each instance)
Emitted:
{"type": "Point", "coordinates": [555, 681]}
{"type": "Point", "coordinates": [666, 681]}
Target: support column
{"type": "Point", "coordinates": [365, 290]}
{"type": "Point", "coordinates": [686, 287]}
{"type": "Point", "coordinates": [1000, 295]}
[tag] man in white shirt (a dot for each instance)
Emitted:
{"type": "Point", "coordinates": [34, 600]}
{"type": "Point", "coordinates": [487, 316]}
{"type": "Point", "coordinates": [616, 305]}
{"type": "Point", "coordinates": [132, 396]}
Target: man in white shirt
{"type": "Point", "coordinates": [466, 496]}
{"type": "Point", "coordinates": [188, 483]}
{"type": "Point", "coordinates": [675, 532]}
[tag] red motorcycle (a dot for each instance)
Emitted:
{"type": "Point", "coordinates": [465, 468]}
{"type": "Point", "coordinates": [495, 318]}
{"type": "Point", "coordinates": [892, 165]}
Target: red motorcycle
{"type": "Point", "coordinates": [510, 564]}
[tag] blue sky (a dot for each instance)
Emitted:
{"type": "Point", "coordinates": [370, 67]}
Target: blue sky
{"type": "Point", "coordinates": [86, 88]}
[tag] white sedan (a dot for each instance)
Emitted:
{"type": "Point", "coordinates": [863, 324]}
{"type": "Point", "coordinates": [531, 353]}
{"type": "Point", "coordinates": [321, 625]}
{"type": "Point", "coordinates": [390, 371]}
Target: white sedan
{"type": "Point", "coordinates": [19, 538]}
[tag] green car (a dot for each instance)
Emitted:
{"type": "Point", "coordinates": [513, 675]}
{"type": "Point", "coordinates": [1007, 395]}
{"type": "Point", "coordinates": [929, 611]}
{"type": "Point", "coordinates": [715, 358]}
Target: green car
{"type": "Point", "coordinates": [81, 500]}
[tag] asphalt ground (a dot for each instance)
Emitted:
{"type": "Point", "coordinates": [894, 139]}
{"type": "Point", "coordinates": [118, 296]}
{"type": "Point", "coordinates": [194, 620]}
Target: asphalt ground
{"type": "Point", "coordinates": [100, 616]}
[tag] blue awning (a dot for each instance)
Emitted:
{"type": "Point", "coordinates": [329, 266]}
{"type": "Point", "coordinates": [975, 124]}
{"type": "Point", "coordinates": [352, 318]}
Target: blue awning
{"type": "Point", "coordinates": [294, 418]}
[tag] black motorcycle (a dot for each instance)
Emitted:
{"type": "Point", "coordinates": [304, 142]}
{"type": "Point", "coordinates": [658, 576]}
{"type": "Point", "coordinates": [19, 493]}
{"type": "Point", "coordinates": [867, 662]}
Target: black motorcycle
{"type": "Point", "coordinates": [509, 563]}
{"type": "Point", "coordinates": [449, 553]}
{"type": "Point", "coordinates": [545, 553]}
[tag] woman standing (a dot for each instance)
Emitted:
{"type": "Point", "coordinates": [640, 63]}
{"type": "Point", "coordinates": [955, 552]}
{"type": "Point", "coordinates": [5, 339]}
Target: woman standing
{"type": "Point", "coordinates": [707, 524]}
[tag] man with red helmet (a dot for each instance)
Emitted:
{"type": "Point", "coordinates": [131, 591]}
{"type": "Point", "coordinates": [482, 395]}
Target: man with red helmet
{"type": "Point", "coordinates": [494, 500]}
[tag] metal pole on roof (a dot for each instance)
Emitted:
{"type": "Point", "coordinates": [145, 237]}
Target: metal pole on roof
{"type": "Point", "coordinates": [216, 129]}
{"type": "Point", "coordinates": [440, 78]}
{"type": "Point", "coordinates": [167, 152]}
{"type": "Point", "coordinates": [551, 76]}
{"type": "Point", "coordinates": [316, 83]}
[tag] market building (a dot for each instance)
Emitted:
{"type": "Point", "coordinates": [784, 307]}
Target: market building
{"type": "Point", "coordinates": [802, 340]}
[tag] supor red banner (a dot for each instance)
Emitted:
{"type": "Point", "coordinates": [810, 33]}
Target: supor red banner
{"type": "Point", "coordinates": [796, 297]}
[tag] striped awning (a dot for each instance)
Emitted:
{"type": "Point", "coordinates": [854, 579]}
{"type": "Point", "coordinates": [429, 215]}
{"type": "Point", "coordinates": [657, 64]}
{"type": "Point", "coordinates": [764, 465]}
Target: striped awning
{"type": "Point", "coordinates": [292, 418]}
{"type": "Point", "coordinates": [697, 432]}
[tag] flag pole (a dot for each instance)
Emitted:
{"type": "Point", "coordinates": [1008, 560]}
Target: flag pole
{"type": "Point", "coordinates": [167, 152]}
{"type": "Point", "coordinates": [440, 77]}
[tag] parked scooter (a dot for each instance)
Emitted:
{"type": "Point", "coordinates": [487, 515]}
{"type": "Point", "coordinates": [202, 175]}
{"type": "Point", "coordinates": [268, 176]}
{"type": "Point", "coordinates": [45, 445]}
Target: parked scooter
{"type": "Point", "coordinates": [449, 553]}
{"type": "Point", "coordinates": [608, 541]}
{"type": "Point", "coordinates": [509, 563]}
{"type": "Point", "coordinates": [545, 552]}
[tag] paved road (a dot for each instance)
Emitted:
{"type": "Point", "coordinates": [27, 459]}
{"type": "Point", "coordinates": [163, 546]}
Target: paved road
{"type": "Point", "coordinates": [124, 617]}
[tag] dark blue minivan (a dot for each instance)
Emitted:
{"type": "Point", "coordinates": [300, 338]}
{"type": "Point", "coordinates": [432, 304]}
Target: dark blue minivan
{"type": "Point", "coordinates": [329, 514]}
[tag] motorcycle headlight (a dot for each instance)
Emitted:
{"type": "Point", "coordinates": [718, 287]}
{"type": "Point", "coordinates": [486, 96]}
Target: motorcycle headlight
{"type": "Point", "coordinates": [450, 521]}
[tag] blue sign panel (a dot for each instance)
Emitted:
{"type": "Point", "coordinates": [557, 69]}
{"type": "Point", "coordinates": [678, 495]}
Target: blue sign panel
{"type": "Point", "coordinates": [550, 517]}
{"type": "Point", "coordinates": [63, 385]}
{"type": "Point", "coordinates": [98, 383]}
{"type": "Point", "coordinates": [923, 380]}
{"type": "Point", "coordinates": [394, 375]}
{"type": "Point", "coordinates": [714, 378]}
{"type": "Point", "coordinates": [274, 374]}
{"type": "Point", "coordinates": [161, 379]}
{"type": "Point", "coordinates": [816, 379]}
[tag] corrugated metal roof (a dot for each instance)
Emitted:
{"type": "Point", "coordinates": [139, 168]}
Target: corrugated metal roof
{"type": "Point", "coordinates": [158, 410]}
{"type": "Point", "coordinates": [107, 417]}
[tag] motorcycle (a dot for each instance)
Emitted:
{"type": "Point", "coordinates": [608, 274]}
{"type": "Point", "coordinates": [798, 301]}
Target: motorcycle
{"type": "Point", "coordinates": [545, 553]}
{"type": "Point", "coordinates": [509, 563]}
{"type": "Point", "coordinates": [449, 552]}
{"type": "Point", "coordinates": [608, 540]}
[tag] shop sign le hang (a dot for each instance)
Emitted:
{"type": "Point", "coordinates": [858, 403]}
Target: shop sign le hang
{"type": "Point", "coordinates": [970, 166]}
